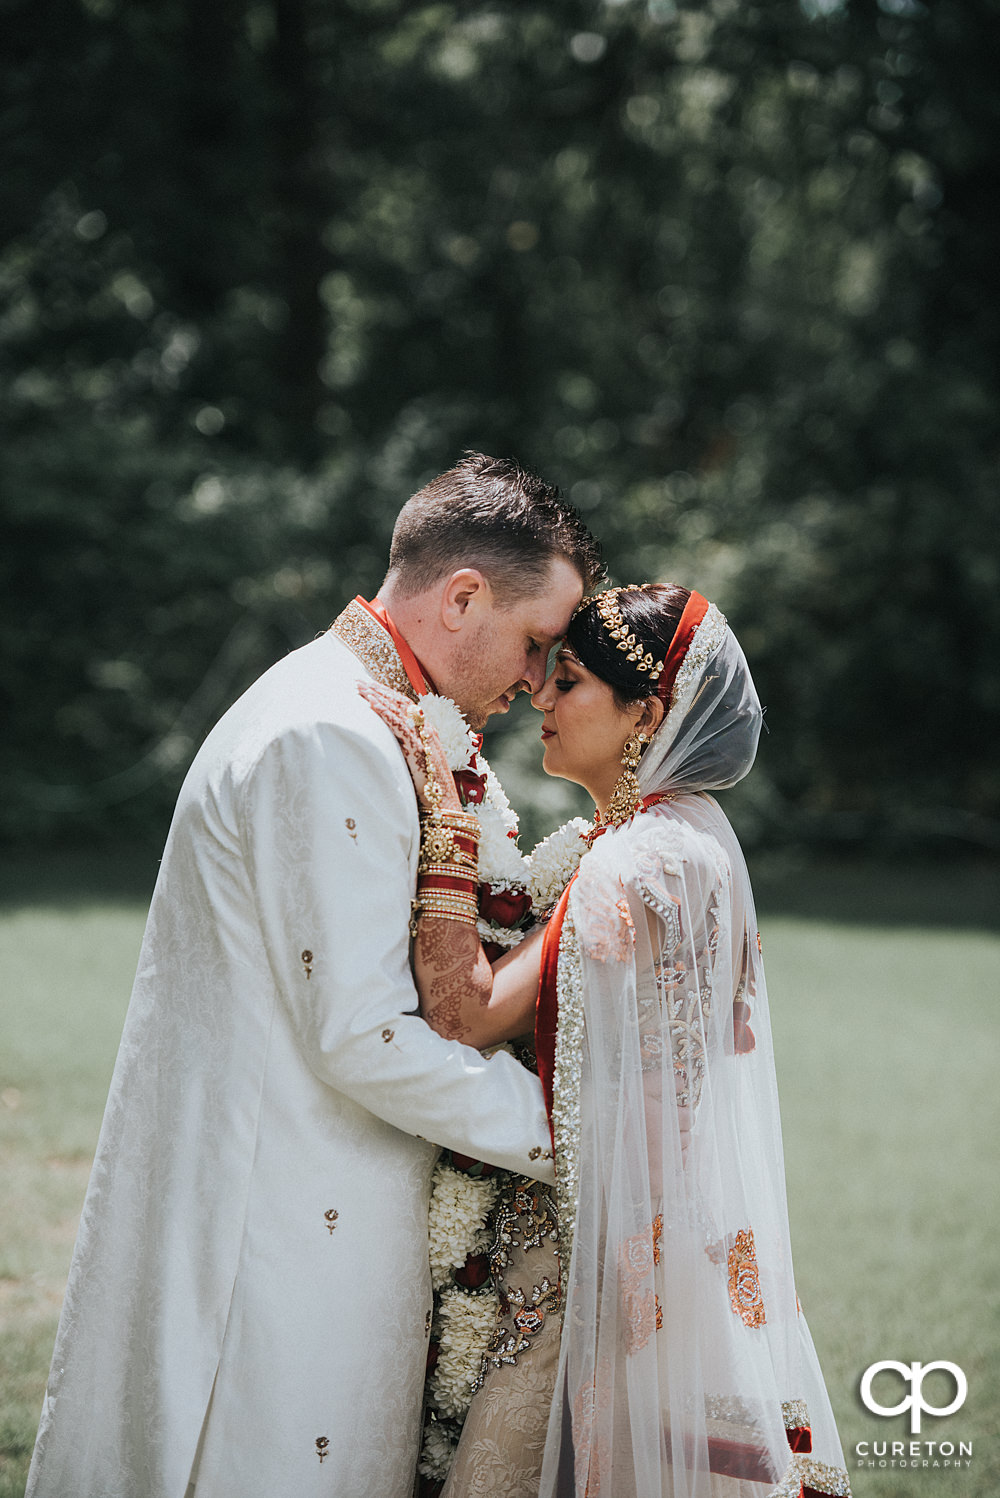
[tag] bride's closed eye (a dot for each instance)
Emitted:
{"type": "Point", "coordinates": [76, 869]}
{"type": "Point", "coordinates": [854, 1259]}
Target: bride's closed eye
{"type": "Point", "coordinates": [563, 683]}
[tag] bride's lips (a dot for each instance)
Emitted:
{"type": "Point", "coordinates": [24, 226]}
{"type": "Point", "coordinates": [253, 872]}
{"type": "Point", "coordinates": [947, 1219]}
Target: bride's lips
{"type": "Point", "coordinates": [548, 733]}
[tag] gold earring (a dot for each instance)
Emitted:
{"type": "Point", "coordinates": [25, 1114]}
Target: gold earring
{"type": "Point", "coordinates": [625, 798]}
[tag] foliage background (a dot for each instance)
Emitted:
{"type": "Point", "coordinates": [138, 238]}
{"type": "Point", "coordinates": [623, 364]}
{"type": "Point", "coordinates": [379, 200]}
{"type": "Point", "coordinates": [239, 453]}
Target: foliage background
{"type": "Point", "coordinates": [726, 272]}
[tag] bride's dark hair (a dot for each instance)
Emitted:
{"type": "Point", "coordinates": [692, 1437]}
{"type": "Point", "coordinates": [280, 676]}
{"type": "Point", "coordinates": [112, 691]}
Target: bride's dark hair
{"type": "Point", "coordinates": [651, 613]}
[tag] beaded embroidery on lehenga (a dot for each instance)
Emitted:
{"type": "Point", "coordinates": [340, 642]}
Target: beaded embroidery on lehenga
{"type": "Point", "coordinates": [504, 1433]}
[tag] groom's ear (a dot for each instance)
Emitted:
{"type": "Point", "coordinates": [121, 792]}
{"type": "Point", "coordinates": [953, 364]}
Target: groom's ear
{"type": "Point", "coordinates": [465, 593]}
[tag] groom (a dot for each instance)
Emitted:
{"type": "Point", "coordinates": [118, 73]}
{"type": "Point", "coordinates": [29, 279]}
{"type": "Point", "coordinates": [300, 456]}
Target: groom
{"type": "Point", "coordinates": [249, 1302]}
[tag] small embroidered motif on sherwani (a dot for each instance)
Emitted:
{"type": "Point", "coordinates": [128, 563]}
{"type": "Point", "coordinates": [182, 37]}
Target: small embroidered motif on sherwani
{"type": "Point", "coordinates": [331, 1219]}
{"type": "Point", "coordinates": [744, 1280]}
{"type": "Point", "coordinates": [307, 958]}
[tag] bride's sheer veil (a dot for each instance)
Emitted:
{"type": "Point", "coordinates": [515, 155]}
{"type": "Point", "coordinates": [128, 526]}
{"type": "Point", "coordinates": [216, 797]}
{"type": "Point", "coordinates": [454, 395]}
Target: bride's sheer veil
{"type": "Point", "coordinates": [708, 738]}
{"type": "Point", "coordinates": [686, 1369]}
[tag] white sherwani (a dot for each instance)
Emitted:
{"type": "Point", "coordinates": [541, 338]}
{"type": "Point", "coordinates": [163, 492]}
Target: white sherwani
{"type": "Point", "coordinates": [251, 1272]}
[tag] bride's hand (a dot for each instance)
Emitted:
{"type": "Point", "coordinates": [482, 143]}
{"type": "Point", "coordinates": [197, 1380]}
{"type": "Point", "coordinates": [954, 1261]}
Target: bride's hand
{"type": "Point", "coordinates": [398, 712]}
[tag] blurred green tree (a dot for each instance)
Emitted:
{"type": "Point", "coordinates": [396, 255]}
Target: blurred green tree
{"type": "Point", "coordinates": [722, 270]}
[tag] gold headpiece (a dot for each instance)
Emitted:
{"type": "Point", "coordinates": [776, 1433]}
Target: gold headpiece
{"type": "Point", "coordinates": [611, 618]}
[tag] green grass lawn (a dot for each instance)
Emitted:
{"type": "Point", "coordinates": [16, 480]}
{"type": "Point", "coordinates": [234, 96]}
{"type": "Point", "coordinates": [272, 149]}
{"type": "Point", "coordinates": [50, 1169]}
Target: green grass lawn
{"type": "Point", "coordinates": [883, 983]}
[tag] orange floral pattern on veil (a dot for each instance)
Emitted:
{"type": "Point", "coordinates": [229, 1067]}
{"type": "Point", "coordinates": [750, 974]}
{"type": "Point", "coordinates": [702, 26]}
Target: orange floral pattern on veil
{"type": "Point", "coordinates": [638, 1258]}
{"type": "Point", "coordinates": [744, 1280]}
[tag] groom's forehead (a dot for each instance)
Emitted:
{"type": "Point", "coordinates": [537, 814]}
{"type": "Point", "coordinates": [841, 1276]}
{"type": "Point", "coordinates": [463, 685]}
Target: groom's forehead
{"type": "Point", "coordinates": [547, 612]}
{"type": "Point", "coordinates": [544, 616]}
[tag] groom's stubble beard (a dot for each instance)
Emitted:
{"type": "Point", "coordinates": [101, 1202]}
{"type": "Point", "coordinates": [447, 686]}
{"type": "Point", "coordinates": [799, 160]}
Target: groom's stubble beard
{"type": "Point", "coordinates": [478, 678]}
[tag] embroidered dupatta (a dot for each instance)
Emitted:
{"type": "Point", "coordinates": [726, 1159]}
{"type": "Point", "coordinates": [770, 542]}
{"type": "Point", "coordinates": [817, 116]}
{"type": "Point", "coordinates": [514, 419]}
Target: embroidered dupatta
{"type": "Point", "coordinates": [686, 1367]}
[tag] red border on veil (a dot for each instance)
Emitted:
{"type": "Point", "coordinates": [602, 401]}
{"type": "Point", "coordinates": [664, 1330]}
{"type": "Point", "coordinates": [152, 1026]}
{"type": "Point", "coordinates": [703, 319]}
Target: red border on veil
{"type": "Point", "coordinates": [694, 612]}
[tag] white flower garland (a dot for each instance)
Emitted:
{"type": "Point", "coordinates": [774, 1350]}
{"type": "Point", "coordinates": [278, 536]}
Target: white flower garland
{"type": "Point", "coordinates": [465, 1319]}
{"type": "Point", "coordinates": [554, 861]}
{"type": "Point", "coordinates": [440, 1442]}
{"type": "Point", "coordinates": [441, 714]}
{"type": "Point", "coordinates": [465, 1325]}
{"type": "Point", "coordinates": [459, 1207]}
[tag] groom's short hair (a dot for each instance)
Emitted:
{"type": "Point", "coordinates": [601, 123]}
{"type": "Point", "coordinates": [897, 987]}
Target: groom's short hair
{"type": "Point", "coordinates": [491, 514]}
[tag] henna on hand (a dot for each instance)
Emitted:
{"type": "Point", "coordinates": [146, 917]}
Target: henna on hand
{"type": "Point", "coordinates": [446, 1017]}
{"type": "Point", "coordinates": [451, 974]}
{"type": "Point", "coordinates": [441, 944]}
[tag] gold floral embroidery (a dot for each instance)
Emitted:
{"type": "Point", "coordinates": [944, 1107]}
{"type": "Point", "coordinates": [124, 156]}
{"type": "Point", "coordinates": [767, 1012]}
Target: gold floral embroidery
{"type": "Point", "coordinates": [387, 1035]}
{"type": "Point", "coordinates": [744, 1280]}
{"type": "Point", "coordinates": [322, 1442]}
{"type": "Point", "coordinates": [307, 959]}
{"type": "Point", "coordinates": [527, 1317]}
{"type": "Point", "coordinates": [331, 1218]}
{"type": "Point", "coordinates": [366, 638]}
{"type": "Point", "coordinates": [524, 1219]}
{"type": "Point", "coordinates": [351, 825]}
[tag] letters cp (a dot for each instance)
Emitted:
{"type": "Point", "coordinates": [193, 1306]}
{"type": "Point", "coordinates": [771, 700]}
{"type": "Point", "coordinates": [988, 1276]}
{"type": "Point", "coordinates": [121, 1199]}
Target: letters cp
{"type": "Point", "coordinates": [914, 1374]}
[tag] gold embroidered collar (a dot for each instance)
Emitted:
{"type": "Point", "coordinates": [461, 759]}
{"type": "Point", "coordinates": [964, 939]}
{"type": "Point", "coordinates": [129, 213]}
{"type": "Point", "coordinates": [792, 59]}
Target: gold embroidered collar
{"type": "Point", "coordinates": [366, 639]}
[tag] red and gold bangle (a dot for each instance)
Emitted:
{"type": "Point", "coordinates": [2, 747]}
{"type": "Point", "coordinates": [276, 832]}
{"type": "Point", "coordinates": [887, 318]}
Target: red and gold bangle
{"type": "Point", "coordinates": [447, 905]}
{"type": "Point", "coordinates": [450, 837]}
{"type": "Point", "coordinates": [448, 890]}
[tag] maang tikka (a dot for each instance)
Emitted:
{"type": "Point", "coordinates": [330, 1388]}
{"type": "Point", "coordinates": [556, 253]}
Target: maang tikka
{"type": "Point", "coordinates": [626, 798]}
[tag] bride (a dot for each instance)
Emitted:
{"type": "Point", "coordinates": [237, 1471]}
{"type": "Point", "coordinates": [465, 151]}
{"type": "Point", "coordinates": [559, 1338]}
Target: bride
{"type": "Point", "coordinates": [650, 1339]}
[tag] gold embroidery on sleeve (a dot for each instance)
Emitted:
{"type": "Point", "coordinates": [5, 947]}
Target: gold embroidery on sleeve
{"type": "Point", "coordinates": [307, 959]}
{"type": "Point", "coordinates": [331, 1218]}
